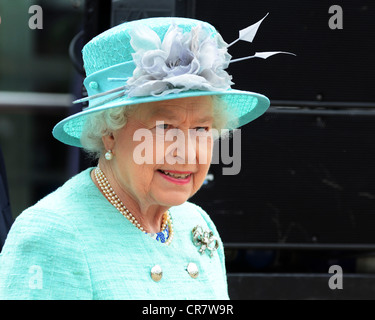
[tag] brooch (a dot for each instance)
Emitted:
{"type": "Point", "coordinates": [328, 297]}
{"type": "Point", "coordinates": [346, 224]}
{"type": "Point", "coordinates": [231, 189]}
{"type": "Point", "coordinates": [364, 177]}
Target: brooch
{"type": "Point", "coordinates": [205, 239]}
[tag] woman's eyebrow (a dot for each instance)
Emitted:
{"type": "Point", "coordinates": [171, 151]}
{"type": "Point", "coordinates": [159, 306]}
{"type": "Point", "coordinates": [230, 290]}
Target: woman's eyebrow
{"type": "Point", "coordinates": [170, 115]}
{"type": "Point", "coordinates": [205, 119]}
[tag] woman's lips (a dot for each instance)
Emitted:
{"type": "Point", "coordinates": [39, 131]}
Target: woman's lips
{"type": "Point", "coordinates": [177, 177]}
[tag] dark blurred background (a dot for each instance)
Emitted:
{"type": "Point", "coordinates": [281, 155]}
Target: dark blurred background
{"type": "Point", "coordinates": [305, 198]}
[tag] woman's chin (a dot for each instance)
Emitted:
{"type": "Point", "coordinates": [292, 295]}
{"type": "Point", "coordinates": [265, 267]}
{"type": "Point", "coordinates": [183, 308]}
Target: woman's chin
{"type": "Point", "coordinates": [173, 199]}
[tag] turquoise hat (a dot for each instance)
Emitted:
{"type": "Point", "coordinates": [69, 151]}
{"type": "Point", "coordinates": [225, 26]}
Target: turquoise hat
{"type": "Point", "coordinates": [158, 59]}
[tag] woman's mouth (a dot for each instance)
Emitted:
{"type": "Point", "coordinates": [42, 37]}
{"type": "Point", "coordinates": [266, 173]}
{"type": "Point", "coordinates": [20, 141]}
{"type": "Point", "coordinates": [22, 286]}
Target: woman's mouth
{"type": "Point", "coordinates": [177, 177]}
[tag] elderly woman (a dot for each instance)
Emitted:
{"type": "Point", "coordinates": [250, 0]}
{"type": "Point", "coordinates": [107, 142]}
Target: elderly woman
{"type": "Point", "coordinates": [158, 96]}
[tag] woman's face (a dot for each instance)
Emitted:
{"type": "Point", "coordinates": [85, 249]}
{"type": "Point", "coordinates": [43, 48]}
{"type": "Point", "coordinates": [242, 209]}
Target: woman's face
{"type": "Point", "coordinates": [163, 153]}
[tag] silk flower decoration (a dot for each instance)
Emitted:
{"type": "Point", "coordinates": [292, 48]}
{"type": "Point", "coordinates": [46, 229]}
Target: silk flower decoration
{"type": "Point", "coordinates": [194, 60]}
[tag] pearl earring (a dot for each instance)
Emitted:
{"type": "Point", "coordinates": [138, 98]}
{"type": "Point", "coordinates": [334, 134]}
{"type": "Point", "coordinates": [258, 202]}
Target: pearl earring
{"type": "Point", "coordinates": [109, 155]}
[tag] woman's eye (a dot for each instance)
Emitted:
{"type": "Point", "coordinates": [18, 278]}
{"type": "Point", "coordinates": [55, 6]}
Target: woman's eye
{"type": "Point", "coordinates": [201, 129]}
{"type": "Point", "coordinates": [163, 126]}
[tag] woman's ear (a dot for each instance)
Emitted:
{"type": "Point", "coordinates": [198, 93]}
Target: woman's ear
{"type": "Point", "coordinates": [108, 142]}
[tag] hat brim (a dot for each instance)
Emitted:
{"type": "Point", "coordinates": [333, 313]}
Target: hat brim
{"type": "Point", "coordinates": [243, 107]}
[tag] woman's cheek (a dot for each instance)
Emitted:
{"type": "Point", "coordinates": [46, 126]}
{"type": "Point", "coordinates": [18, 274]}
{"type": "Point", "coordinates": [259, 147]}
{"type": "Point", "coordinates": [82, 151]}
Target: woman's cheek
{"type": "Point", "coordinates": [205, 150]}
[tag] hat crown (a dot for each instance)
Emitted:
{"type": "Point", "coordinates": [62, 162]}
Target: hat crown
{"type": "Point", "coordinates": [113, 46]}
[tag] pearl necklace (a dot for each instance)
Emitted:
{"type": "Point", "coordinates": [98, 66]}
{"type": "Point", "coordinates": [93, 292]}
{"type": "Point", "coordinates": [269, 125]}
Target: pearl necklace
{"type": "Point", "coordinates": [112, 197]}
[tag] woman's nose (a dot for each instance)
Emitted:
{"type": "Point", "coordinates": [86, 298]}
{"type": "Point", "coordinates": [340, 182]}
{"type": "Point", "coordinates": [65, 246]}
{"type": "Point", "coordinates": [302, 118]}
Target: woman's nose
{"type": "Point", "coordinates": [185, 150]}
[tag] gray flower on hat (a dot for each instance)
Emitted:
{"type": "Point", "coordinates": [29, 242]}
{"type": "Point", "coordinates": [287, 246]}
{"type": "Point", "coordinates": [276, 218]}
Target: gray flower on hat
{"type": "Point", "coordinates": [194, 60]}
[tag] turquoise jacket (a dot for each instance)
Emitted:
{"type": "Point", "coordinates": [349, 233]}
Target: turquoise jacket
{"type": "Point", "coordinates": [74, 244]}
